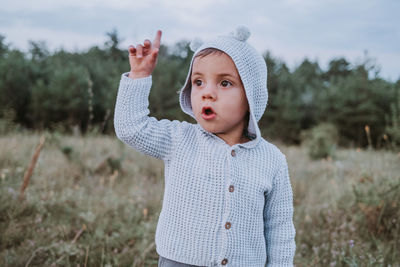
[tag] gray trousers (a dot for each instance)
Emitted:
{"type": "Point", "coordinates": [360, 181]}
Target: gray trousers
{"type": "Point", "coordinates": [164, 262]}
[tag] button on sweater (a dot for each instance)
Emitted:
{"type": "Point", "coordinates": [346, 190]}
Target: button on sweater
{"type": "Point", "coordinates": [223, 205]}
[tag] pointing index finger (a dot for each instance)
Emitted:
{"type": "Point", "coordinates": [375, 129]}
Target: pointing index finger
{"type": "Point", "coordinates": [157, 39]}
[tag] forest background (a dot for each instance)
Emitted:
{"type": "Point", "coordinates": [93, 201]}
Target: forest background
{"type": "Point", "coordinates": [66, 91]}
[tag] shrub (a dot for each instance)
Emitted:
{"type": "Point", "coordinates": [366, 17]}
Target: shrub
{"type": "Point", "coordinates": [321, 140]}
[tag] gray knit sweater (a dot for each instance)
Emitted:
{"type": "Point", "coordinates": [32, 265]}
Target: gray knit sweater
{"type": "Point", "coordinates": [223, 205]}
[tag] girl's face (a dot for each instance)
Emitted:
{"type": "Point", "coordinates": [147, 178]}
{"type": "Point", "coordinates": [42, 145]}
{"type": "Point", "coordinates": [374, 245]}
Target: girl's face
{"type": "Point", "coordinates": [218, 97]}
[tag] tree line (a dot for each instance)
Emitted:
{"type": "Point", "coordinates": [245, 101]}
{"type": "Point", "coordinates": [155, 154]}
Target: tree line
{"type": "Point", "coordinates": [63, 91]}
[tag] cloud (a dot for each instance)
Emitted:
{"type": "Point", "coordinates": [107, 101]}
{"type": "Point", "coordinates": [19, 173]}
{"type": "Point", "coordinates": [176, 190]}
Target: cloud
{"type": "Point", "coordinates": [60, 39]}
{"type": "Point", "coordinates": [48, 5]}
{"type": "Point", "coordinates": [290, 29]}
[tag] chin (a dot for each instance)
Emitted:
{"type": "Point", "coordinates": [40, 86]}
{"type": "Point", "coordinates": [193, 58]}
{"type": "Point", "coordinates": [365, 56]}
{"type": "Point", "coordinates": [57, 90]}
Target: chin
{"type": "Point", "coordinates": [209, 128]}
{"type": "Point", "coordinates": [212, 129]}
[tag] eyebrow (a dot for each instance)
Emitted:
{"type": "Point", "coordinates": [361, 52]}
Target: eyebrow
{"type": "Point", "coordinates": [219, 74]}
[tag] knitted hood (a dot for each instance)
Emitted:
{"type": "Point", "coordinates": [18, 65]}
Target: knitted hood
{"type": "Point", "coordinates": [251, 68]}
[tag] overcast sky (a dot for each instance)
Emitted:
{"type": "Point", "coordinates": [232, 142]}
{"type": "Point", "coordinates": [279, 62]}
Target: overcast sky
{"type": "Point", "coordinates": [290, 29]}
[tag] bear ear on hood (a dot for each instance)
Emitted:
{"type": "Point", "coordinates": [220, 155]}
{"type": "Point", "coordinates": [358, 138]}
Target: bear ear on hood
{"type": "Point", "coordinates": [241, 33]}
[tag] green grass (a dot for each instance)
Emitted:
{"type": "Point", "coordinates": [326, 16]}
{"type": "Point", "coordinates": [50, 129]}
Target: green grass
{"type": "Point", "coordinates": [94, 201]}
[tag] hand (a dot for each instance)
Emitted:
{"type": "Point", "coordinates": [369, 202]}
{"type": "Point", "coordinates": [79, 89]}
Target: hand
{"type": "Point", "coordinates": [143, 58]}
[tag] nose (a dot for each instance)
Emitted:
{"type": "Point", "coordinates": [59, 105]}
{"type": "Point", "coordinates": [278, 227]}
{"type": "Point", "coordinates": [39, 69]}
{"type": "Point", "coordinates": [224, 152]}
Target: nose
{"type": "Point", "coordinates": [209, 93]}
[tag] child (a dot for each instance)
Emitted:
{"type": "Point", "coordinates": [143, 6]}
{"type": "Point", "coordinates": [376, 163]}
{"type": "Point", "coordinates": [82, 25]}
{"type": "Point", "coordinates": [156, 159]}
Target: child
{"type": "Point", "coordinates": [228, 198]}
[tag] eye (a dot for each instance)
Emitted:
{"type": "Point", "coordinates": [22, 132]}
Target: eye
{"type": "Point", "coordinates": [197, 82]}
{"type": "Point", "coordinates": [225, 83]}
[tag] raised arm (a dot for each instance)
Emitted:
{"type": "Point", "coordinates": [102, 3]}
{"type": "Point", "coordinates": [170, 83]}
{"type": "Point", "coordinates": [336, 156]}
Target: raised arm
{"type": "Point", "coordinates": [278, 220]}
{"type": "Point", "coordinates": [132, 124]}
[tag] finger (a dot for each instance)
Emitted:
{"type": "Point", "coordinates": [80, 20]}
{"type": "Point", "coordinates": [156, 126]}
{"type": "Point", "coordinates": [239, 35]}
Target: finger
{"type": "Point", "coordinates": [147, 43]}
{"type": "Point", "coordinates": [139, 51]}
{"type": "Point", "coordinates": [146, 47]}
{"type": "Point", "coordinates": [155, 54]}
{"type": "Point", "coordinates": [132, 50]}
{"type": "Point", "coordinates": [157, 39]}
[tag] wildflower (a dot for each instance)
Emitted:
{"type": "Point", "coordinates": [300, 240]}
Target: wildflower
{"type": "Point", "coordinates": [351, 243]}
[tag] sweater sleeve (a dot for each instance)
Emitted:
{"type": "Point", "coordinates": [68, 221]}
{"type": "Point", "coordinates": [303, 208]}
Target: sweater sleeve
{"type": "Point", "coordinates": [132, 124]}
{"type": "Point", "coordinates": [278, 220]}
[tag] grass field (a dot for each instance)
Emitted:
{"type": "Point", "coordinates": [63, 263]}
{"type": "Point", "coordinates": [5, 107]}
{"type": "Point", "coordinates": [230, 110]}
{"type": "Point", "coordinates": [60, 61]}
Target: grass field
{"type": "Point", "coordinates": [93, 201]}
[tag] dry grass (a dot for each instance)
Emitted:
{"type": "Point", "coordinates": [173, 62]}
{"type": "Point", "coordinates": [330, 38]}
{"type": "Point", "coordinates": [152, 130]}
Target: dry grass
{"type": "Point", "coordinates": [93, 201]}
{"type": "Point", "coordinates": [331, 223]}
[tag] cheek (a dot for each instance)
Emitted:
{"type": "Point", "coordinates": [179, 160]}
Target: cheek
{"type": "Point", "coordinates": [236, 103]}
{"type": "Point", "coordinates": [244, 103]}
{"type": "Point", "coordinates": [194, 100]}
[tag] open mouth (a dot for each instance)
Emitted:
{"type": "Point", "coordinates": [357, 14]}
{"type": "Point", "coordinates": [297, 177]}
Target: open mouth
{"type": "Point", "coordinates": [207, 113]}
{"type": "Point", "coordinates": [207, 110]}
